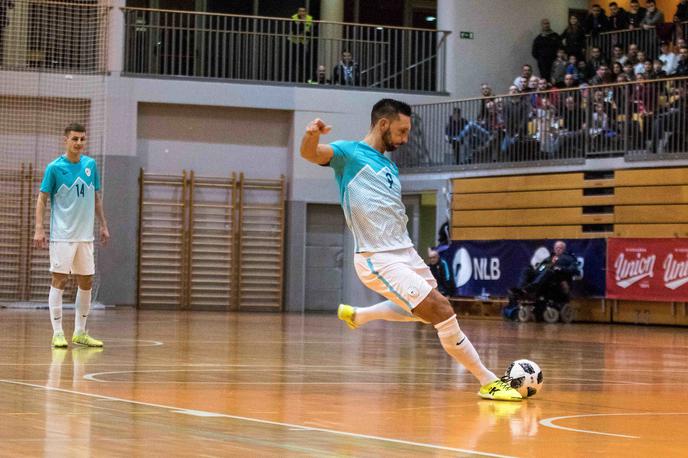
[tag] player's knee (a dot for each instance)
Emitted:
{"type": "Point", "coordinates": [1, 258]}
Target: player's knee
{"type": "Point", "coordinates": [59, 281]}
{"type": "Point", "coordinates": [85, 282]}
{"type": "Point", "coordinates": [435, 308]}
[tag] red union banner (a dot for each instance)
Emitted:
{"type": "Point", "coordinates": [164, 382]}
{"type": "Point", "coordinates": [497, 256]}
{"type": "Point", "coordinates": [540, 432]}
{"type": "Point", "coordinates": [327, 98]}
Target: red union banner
{"type": "Point", "coordinates": [647, 269]}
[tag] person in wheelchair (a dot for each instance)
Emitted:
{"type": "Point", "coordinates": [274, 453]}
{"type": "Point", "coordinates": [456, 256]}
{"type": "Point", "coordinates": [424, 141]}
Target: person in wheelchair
{"type": "Point", "coordinates": [547, 282]}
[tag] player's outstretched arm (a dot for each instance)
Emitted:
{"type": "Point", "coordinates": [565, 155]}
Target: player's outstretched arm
{"type": "Point", "coordinates": [313, 151]}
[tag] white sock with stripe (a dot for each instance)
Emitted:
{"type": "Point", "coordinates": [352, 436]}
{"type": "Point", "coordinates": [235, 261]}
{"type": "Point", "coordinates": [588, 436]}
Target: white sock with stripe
{"type": "Point", "coordinates": [455, 342]}
{"type": "Point", "coordinates": [386, 310]}
{"type": "Point", "coordinates": [82, 307]}
{"type": "Point", "coordinates": [55, 306]}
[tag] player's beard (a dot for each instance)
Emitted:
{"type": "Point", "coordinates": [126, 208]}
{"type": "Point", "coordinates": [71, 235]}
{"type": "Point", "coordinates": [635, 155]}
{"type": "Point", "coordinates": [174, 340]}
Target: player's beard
{"type": "Point", "coordinates": [387, 140]}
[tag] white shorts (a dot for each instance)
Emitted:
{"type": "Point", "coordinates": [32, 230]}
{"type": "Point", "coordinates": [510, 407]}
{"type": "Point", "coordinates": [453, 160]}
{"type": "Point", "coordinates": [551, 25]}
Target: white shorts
{"type": "Point", "coordinates": [72, 258]}
{"type": "Point", "coordinates": [399, 275]}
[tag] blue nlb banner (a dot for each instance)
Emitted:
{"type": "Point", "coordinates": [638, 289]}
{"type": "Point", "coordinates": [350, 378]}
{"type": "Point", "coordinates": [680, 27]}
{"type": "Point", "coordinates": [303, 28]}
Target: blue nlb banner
{"type": "Point", "coordinates": [492, 267]}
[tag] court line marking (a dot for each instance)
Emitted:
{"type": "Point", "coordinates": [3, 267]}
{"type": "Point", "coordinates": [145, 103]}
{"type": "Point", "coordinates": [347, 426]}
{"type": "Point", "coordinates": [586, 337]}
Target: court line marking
{"type": "Point", "coordinates": [120, 343]}
{"type": "Point", "coordinates": [94, 376]}
{"type": "Point", "coordinates": [257, 420]}
{"type": "Point", "coordinates": [549, 422]}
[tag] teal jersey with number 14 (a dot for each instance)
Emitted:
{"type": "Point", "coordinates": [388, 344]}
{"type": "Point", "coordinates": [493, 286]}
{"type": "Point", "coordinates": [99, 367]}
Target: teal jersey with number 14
{"type": "Point", "coordinates": [72, 187]}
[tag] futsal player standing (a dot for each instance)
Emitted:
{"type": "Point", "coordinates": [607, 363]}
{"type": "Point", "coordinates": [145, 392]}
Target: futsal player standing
{"type": "Point", "coordinates": [73, 184]}
{"type": "Point", "coordinates": [385, 260]}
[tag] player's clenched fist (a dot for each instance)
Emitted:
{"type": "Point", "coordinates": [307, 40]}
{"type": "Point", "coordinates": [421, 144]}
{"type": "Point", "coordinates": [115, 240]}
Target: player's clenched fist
{"type": "Point", "coordinates": [317, 127]}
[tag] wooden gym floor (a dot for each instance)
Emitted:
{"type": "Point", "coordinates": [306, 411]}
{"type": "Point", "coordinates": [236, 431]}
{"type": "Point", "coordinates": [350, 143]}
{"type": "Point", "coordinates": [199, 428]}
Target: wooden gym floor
{"type": "Point", "coordinates": [212, 384]}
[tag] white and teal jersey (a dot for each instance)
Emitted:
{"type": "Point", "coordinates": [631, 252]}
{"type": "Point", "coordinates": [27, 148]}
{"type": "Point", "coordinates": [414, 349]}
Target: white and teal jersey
{"type": "Point", "coordinates": [370, 194]}
{"type": "Point", "coordinates": [72, 187]}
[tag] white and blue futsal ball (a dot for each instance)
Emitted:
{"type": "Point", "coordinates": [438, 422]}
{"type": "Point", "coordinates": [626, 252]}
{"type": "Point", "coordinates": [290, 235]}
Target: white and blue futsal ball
{"type": "Point", "coordinates": [525, 377]}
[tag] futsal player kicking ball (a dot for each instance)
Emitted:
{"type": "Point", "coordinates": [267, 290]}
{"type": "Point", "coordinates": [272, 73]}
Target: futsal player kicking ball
{"type": "Point", "coordinates": [385, 260]}
{"type": "Point", "coordinates": [73, 184]}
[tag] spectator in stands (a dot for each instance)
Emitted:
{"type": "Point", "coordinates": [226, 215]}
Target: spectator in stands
{"type": "Point", "coordinates": [570, 81]}
{"type": "Point", "coordinates": [468, 136]}
{"type": "Point", "coordinates": [596, 61]}
{"type": "Point", "coordinates": [639, 67]}
{"type": "Point", "coordinates": [551, 277]}
{"type": "Point", "coordinates": [668, 58]}
{"type": "Point", "coordinates": [618, 18]}
{"type": "Point", "coordinates": [671, 123]}
{"type": "Point", "coordinates": [532, 84]}
{"type": "Point", "coordinates": [453, 131]}
{"type": "Point", "coordinates": [648, 69]}
{"type": "Point", "coordinates": [346, 72]}
{"type": "Point", "coordinates": [516, 112]}
{"type": "Point", "coordinates": [596, 21]}
{"type": "Point", "coordinates": [573, 38]}
{"type": "Point", "coordinates": [4, 21]}
{"type": "Point", "coordinates": [571, 128]}
{"type": "Point", "coordinates": [545, 48]}
{"type": "Point", "coordinates": [682, 67]}
{"type": "Point", "coordinates": [486, 93]}
{"type": "Point", "coordinates": [653, 17]}
{"type": "Point", "coordinates": [618, 54]}
{"type": "Point", "coordinates": [658, 69]}
{"type": "Point", "coordinates": [299, 37]}
{"type": "Point", "coordinates": [584, 72]}
{"type": "Point", "coordinates": [681, 14]}
{"type": "Point", "coordinates": [545, 120]}
{"type": "Point", "coordinates": [443, 235]}
{"type": "Point", "coordinates": [606, 99]}
{"type": "Point", "coordinates": [644, 104]}
{"type": "Point", "coordinates": [602, 76]}
{"type": "Point", "coordinates": [559, 68]}
{"type": "Point", "coordinates": [635, 15]}
{"type": "Point", "coordinates": [632, 55]}
{"type": "Point", "coordinates": [617, 69]}
{"type": "Point", "coordinates": [543, 94]}
{"type": "Point", "coordinates": [526, 73]}
{"type": "Point", "coordinates": [442, 272]}
{"type": "Point", "coordinates": [629, 71]}
{"type": "Point", "coordinates": [601, 133]}
{"type": "Point", "coordinates": [320, 76]}
{"type": "Point", "coordinates": [680, 43]}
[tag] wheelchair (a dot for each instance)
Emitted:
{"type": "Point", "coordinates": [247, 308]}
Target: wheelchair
{"type": "Point", "coordinates": [550, 304]}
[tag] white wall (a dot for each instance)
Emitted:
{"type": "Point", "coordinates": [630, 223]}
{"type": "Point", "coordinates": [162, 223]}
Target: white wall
{"type": "Point", "coordinates": [503, 35]}
{"type": "Point", "coordinates": [213, 140]}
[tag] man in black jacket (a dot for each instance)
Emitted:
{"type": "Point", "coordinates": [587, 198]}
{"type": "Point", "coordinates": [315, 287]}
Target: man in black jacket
{"type": "Point", "coordinates": [552, 276]}
{"type": "Point", "coordinates": [545, 48]}
{"type": "Point", "coordinates": [442, 272]}
{"type": "Point", "coordinates": [636, 14]}
{"type": "Point", "coordinates": [346, 72]}
{"type": "Point", "coordinates": [596, 21]}
{"type": "Point", "coordinates": [618, 18]}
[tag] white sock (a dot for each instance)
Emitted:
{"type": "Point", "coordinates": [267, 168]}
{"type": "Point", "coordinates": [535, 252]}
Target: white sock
{"type": "Point", "coordinates": [461, 349]}
{"type": "Point", "coordinates": [55, 306]}
{"type": "Point", "coordinates": [82, 307]}
{"type": "Point", "coordinates": [386, 310]}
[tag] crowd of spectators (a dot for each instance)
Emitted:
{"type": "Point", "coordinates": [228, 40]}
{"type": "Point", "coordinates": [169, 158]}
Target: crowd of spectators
{"type": "Point", "coordinates": [571, 107]}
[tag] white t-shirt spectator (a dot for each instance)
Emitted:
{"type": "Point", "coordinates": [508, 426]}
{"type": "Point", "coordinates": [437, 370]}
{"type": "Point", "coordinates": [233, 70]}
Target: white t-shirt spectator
{"type": "Point", "coordinates": [670, 61]}
{"type": "Point", "coordinates": [639, 68]}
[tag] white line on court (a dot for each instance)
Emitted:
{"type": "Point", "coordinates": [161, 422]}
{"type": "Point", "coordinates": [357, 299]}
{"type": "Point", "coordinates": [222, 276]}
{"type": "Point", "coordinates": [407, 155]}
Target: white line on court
{"type": "Point", "coordinates": [257, 420]}
{"type": "Point", "coordinates": [549, 422]}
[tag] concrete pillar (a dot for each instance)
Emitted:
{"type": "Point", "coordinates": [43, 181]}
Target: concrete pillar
{"type": "Point", "coordinates": [115, 37]}
{"type": "Point", "coordinates": [447, 18]}
{"type": "Point", "coordinates": [330, 35]}
{"type": "Point", "coordinates": [15, 36]}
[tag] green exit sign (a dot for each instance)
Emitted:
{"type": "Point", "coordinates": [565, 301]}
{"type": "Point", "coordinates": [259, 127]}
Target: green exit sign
{"type": "Point", "coordinates": [466, 35]}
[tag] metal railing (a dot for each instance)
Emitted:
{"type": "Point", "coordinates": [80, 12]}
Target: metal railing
{"type": "Point", "coordinates": [642, 120]}
{"type": "Point", "coordinates": [647, 40]}
{"type": "Point", "coordinates": [208, 45]}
